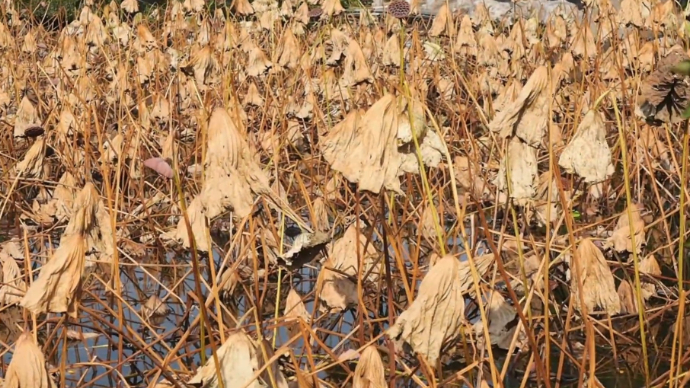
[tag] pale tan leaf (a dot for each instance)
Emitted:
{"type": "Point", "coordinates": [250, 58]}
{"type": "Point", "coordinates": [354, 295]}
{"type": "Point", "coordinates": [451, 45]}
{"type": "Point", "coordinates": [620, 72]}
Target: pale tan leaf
{"type": "Point", "coordinates": [369, 372]}
{"type": "Point", "coordinates": [13, 285]}
{"type": "Point", "coordinates": [362, 147]}
{"type": "Point", "coordinates": [239, 359]}
{"type": "Point", "coordinates": [510, 120]}
{"type": "Point", "coordinates": [626, 294]}
{"type": "Point", "coordinates": [57, 288]}
{"type": "Point", "coordinates": [588, 155]}
{"type": "Point", "coordinates": [621, 239]}
{"type": "Point", "coordinates": [518, 171]}
{"type": "Point", "coordinates": [31, 166]}
{"type": "Point", "coordinates": [28, 366]}
{"type": "Point", "coordinates": [594, 280]}
{"type": "Point", "coordinates": [437, 313]}
{"type": "Point", "coordinates": [650, 266]}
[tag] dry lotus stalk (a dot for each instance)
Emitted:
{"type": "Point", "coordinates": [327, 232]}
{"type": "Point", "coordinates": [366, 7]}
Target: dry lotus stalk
{"type": "Point", "coordinates": [239, 358]}
{"type": "Point", "coordinates": [28, 366]}
{"type": "Point", "coordinates": [664, 94]}
{"type": "Point", "coordinates": [588, 155]}
{"type": "Point", "coordinates": [517, 175]}
{"type": "Point", "coordinates": [621, 239]}
{"type": "Point", "coordinates": [527, 116]}
{"type": "Point", "coordinates": [649, 266]}
{"type": "Point", "coordinates": [369, 372]}
{"type": "Point", "coordinates": [438, 312]}
{"type": "Point", "coordinates": [594, 280]}
{"type": "Point", "coordinates": [626, 294]}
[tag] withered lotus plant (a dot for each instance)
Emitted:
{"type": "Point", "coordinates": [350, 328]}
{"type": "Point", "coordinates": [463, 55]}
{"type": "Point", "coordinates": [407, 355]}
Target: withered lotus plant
{"type": "Point", "coordinates": [664, 93]}
{"type": "Point", "coordinates": [592, 277]}
{"type": "Point", "coordinates": [57, 287]}
{"type": "Point", "coordinates": [28, 366]}
{"type": "Point", "coordinates": [369, 372]}
{"type": "Point", "coordinates": [588, 154]}
{"type": "Point", "coordinates": [517, 175]}
{"type": "Point", "coordinates": [239, 358]}
{"type": "Point", "coordinates": [621, 239]}
{"type": "Point", "coordinates": [438, 312]}
{"type": "Point", "coordinates": [295, 312]}
{"type": "Point", "coordinates": [13, 285]}
{"type": "Point", "coordinates": [526, 116]}
{"type": "Point", "coordinates": [626, 294]}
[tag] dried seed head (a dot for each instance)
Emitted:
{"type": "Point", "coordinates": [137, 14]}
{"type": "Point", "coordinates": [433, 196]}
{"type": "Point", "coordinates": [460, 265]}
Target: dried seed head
{"type": "Point", "coordinates": [399, 9]}
{"type": "Point", "coordinates": [315, 13]}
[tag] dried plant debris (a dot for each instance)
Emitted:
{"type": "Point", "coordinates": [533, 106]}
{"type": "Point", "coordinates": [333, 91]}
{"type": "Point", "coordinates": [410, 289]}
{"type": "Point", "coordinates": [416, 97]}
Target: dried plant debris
{"type": "Point", "coordinates": [629, 226]}
{"type": "Point", "coordinates": [239, 358]}
{"type": "Point", "coordinates": [28, 366]}
{"type": "Point", "coordinates": [592, 280]}
{"type": "Point", "coordinates": [369, 372]}
{"type": "Point", "coordinates": [664, 93]}
{"type": "Point", "coordinates": [297, 155]}
{"type": "Point", "coordinates": [305, 247]}
{"type": "Point", "coordinates": [437, 313]}
{"type": "Point", "coordinates": [588, 154]}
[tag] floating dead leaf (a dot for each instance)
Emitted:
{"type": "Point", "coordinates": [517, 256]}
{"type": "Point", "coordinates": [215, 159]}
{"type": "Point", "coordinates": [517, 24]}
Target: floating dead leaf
{"type": "Point", "coordinates": [369, 372]}
{"type": "Point", "coordinates": [28, 366]}
{"type": "Point", "coordinates": [437, 313]}
{"type": "Point", "coordinates": [594, 280]}
{"type": "Point", "coordinates": [295, 312]}
{"type": "Point", "coordinates": [336, 279]}
{"type": "Point", "coordinates": [621, 239]}
{"type": "Point", "coordinates": [588, 155]}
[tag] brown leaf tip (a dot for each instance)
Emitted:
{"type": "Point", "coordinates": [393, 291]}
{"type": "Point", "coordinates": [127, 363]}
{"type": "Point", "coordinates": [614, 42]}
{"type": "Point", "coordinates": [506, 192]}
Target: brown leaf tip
{"type": "Point", "coordinates": [399, 9]}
